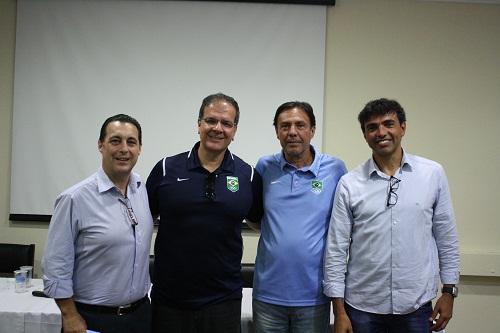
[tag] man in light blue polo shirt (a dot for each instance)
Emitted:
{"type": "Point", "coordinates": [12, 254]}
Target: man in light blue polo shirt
{"type": "Point", "coordinates": [298, 185]}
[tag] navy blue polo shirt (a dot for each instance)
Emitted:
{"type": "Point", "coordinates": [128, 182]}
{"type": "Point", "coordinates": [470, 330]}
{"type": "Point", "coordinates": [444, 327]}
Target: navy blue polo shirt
{"type": "Point", "coordinates": [198, 247]}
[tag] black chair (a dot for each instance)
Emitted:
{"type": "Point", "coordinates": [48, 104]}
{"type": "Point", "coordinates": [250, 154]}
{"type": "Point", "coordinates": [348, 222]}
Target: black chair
{"type": "Point", "coordinates": [247, 275]}
{"type": "Point", "coordinates": [13, 256]}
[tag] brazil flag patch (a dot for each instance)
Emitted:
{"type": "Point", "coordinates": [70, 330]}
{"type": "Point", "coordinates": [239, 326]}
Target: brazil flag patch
{"type": "Point", "coordinates": [232, 183]}
{"type": "Point", "coordinates": [316, 186]}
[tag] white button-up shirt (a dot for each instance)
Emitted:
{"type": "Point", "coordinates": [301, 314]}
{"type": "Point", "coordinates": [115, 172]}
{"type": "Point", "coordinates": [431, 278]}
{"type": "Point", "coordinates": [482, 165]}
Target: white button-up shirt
{"type": "Point", "coordinates": [388, 259]}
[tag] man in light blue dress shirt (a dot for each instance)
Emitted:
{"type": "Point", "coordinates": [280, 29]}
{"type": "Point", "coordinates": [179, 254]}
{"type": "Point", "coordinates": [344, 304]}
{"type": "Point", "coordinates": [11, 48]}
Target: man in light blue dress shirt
{"type": "Point", "coordinates": [96, 257]}
{"type": "Point", "coordinates": [392, 236]}
{"type": "Point", "coordinates": [298, 187]}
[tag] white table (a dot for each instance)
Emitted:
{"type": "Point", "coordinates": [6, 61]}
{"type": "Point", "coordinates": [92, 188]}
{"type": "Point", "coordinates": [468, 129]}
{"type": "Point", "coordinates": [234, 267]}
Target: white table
{"type": "Point", "coordinates": [246, 311]}
{"type": "Point", "coordinates": [24, 313]}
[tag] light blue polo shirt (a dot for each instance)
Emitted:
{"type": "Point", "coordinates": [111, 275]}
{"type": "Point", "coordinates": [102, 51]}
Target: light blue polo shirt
{"type": "Point", "coordinates": [297, 209]}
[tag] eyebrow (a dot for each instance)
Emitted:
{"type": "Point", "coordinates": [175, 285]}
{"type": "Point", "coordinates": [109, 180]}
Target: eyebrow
{"type": "Point", "coordinates": [117, 136]}
{"type": "Point", "coordinates": [300, 122]}
{"type": "Point", "coordinates": [371, 125]}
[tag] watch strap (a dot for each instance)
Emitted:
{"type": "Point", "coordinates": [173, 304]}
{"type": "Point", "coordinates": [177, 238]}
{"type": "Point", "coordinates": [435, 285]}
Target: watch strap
{"type": "Point", "coordinates": [453, 291]}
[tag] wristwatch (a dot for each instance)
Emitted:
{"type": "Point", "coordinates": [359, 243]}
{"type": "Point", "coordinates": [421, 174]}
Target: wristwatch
{"type": "Point", "coordinates": [453, 291]}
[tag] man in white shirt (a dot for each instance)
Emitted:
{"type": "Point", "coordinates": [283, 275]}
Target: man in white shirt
{"type": "Point", "coordinates": [392, 236]}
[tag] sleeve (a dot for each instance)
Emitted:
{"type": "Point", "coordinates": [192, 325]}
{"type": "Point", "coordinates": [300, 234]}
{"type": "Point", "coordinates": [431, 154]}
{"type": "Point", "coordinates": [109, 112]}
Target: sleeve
{"type": "Point", "coordinates": [337, 243]}
{"type": "Point", "coordinates": [445, 232]}
{"type": "Point", "coordinates": [340, 171]}
{"type": "Point", "coordinates": [152, 183]}
{"type": "Point", "coordinates": [257, 210]}
{"type": "Point", "coordinates": [59, 255]}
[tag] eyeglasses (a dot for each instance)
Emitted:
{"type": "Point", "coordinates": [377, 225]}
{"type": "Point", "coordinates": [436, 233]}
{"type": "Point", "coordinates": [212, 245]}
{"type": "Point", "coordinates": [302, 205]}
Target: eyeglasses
{"type": "Point", "coordinates": [212, 122]}
{"type": "Point", "coordinates": [210, 187]}
{"type": "Point", "coordinates": [130, 211]}
{"type": "Point", "coordinates": [392, 197]}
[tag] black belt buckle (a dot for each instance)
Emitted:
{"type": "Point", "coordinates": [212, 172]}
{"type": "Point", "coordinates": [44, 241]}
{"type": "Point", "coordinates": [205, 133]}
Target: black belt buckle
{"type": "Point", "coordinates": [122, 309]}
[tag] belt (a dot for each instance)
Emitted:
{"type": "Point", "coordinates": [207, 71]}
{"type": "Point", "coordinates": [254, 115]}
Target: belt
{"type": "Point", "coordinates": [118, 310]}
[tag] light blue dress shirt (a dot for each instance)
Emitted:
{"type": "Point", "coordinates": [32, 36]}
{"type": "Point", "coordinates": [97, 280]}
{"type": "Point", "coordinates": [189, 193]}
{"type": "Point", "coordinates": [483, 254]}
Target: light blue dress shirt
{"type": "Point", "coordinates": [93, 252]}
{"type": "Point", "coordinates": [389, 259]}
{"type": "Point", "coordinates": [297, 208]}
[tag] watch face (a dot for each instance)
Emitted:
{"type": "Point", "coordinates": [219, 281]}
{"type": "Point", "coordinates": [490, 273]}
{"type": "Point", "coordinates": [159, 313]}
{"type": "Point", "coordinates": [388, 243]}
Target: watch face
{"type": "Point", "coordinates": [450, 290]}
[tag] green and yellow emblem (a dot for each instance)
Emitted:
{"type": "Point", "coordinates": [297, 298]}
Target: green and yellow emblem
{"type": "Point", "coordinates": [232, 183]}
{"type": "Point", "coordinates": [316, 186]}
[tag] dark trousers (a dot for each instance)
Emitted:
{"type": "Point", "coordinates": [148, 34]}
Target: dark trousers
{"type": "Point", "coordinates": [414, 322]}
{"type": "Point", "coordinates": [138, 321]}
{"type": "Point", "coordinates": [218, 318]}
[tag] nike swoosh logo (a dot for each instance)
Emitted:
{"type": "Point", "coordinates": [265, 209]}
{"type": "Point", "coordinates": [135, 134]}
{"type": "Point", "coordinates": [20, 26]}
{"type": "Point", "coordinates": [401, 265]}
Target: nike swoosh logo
{"type": "Point", "coordinates": [275, 182]}
{"type": "Point", "coordinates": [182, 179]}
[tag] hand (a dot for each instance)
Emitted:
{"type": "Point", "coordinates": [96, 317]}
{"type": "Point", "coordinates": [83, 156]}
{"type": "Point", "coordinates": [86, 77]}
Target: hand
{"type": "Point", "coordinates": [342, 324]}
{"type": "Point", "coordinates": [74, 323]}
{"type": "Point", "coordinates": [443, 307]}
{"type": "Point", "coordinates": [71, 319]}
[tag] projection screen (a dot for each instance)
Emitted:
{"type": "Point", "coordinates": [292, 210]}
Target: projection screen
{"type": "Point", "coordinates": [79, 62]}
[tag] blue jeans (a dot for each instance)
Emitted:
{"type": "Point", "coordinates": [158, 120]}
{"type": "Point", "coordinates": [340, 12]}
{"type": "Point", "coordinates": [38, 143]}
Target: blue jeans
{"type": "Point", "coordinates": [414, 322]}
{"type": "Point", "coordinates": [271, 318]}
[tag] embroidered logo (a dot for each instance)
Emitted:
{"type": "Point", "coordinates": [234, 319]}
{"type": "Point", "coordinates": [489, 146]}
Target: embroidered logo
{"type": "Point", "coordinates": [316, 186]}
{"type": "Point", "coordinates": [232, 183]}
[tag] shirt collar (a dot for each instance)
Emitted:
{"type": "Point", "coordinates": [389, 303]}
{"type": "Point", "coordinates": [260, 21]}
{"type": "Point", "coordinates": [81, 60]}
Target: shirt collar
{"type": "Point", "coordinates": [193, 161]}
{"type": "Point", "coordinates": [406, 165]}
{"type": "Point", "coordinates": [313, 167]}
{"type": "Point", "coordinates": [105, 184]}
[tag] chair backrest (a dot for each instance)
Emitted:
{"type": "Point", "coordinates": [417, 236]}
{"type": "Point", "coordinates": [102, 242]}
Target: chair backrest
{"type": "Point", "coordinates": [247, 275]}
{"type": "Point", "coordinates": [12, 256]}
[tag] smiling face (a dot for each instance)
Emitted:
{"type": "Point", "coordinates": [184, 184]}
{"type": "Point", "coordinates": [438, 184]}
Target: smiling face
{"type": "Point", "coordinates": [217, 127]}
{"type": "Point", "coordinates": [294, 130]}
{"type": "Point", "coordinates": [120, 149]}
{"type": "Point", "coordinates": [384, 133]}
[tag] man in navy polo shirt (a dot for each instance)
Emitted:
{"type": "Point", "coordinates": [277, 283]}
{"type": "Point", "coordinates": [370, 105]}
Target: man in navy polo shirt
{"type": "Point", "coordinates": [202, 196]}
{"type": "Point", "coordinates": [299, 184]}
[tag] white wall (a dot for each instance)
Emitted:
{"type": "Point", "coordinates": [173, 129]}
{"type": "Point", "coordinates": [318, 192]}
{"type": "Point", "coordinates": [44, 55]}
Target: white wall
{"type": "Point", "coordinates": [442, 62]}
